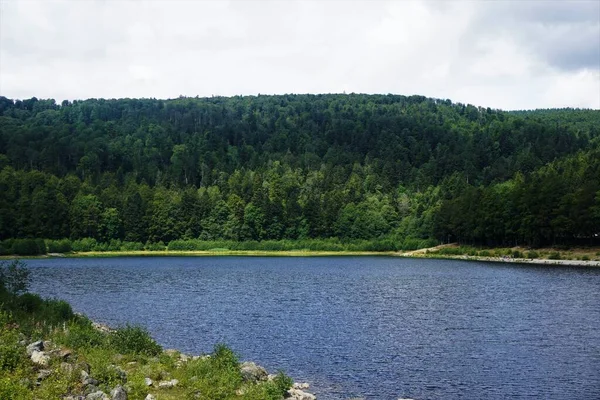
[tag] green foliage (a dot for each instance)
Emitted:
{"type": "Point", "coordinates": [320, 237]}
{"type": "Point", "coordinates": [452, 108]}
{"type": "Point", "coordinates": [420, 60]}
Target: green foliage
{"type": "Point", "coordinates": [59, 246]}
{"type": "Point", "coordinates": [390, 170]}
{"type": "Point", "coordinates": [81, 334]}
{"type": "Point", "coordinates": [134, 340]}
{"type": "Point", "coordinates": [554, 256]}
{"type": "Point", "coordinates": [11, 353]}
{"type": "Point", "coordinates": [533, 254]}
{"type": "Point", "coordinates": [12, 389]}
{"type": "Point", "coordinates": [14, 277]}
{"type": "Point", "coordinates": [517, 254]}
{"type": "Point", "coordinates": [28, 247]}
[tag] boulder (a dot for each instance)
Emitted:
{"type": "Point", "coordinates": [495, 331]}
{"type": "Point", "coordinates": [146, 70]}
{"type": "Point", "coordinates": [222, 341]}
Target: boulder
{"type": "Point", "coordinates": [150, 397]}
{"type": "Point", "coordinates": [35, 346]}
{"type": "Point", "coordinates": [40, 358]}
{"type": "Point", "coordinates": [66, 368]}
{"type": "Point", "coordinates": [168, 384]}
{"type": "Point", "coordinates": [252, 372]}
{"type": "Point", "coordinates": [148, 381]}
{"type": "Point", "coordinates": [97, 395]}
{"type": "Point", "coordinates": [87, 380]}
{"type": "Point", "coordinates": [43, 374]}
{"type": "Point", "coordinates": [301, 386]}
{"type": "Point", "coordinates": [65, 354]}
{"type": "Point", "coordinates": [297, 394]}
{"type": "Point", "coordinates": [118, 393]}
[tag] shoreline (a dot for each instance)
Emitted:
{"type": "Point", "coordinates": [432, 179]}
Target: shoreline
{"type": "Point", "coordinates": [422, 253]}
{"type": "Point", "coordinates": [532, 261]}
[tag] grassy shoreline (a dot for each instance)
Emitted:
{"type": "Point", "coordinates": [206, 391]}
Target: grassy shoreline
{"type": "Point", "coordinates": [208, 253]}
{"type": "Point", "coordinates": [516, 255]}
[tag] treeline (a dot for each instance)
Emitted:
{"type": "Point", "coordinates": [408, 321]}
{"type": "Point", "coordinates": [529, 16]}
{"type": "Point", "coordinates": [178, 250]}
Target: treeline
{"type": "Point", "coordinates": [392, 169]}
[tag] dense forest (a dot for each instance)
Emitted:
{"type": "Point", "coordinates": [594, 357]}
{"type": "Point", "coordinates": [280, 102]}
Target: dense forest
{"type": "Point", "coordinates": [297, 167]}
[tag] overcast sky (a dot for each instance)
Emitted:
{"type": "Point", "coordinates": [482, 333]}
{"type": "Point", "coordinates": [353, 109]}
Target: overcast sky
{"type": "Point", "coordinates": [509, 55]}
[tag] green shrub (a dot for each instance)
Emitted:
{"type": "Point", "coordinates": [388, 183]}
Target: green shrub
{"type": "Point", "coordinates": [585, 258]}
{"type": "Point", "coordinates": [517, 254]}
{"type": "Point", "coordinates": [11, 389]}
{"type": "Point", "coordinates": [59, 246]}
{"type": "Point", "coordinates": [58, 311]}
{"type": "Point", "coordinates": [532, 254]}
{"type": "Point", "coordinates": [14, 277]}
{"type": "Point", "coordinates": [132, 339]}
{"type": "Point", "coordinates": [11, 353]}
{"type": "Point", "coordinates": [554, 256]}
{"type": "Point", "coordinates": [30, 303]}
{"type": "Point", "coordinates": [28, 247]}
{"type": "Point", "coordinates": [160, 246]}
{"type": "Point", "coordinates": [85, 244]}
{"type": "Point", "coordinates": [132, 246]}
{"type": "Point", "coordinates": [81, 334]}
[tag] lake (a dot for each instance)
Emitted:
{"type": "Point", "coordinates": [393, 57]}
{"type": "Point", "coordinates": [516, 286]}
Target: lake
{"type": "Point", "coordinates": [372, 327]}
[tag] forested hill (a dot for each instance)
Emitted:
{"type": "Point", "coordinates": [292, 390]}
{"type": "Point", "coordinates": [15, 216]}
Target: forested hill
{"type": "Point", "coordinates": [352, 166]}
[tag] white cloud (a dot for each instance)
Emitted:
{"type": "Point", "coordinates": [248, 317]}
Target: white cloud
{"type": "Point", "coordinates": [498, 54]}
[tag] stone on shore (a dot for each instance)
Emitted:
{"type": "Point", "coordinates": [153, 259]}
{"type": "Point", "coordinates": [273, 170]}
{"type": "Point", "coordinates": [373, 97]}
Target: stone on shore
{"type": "Point", "coordinates": [297, 394]}
{"type": "Point", "coordinates": [168, 384]}
{"type": "Point", "coordinates": [40, 358]}
{"type": "Point", "coordinates": [98, 395]}
{"type": "Point", "coordinates": [252, 372]}
{"type": "Point", "coordinates": [35, 346]}
{"type": "Point", "coordinates": [118, 393]}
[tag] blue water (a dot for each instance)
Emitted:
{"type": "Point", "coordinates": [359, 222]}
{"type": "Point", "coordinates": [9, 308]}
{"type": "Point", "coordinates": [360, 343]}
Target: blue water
{"type": "Point", "coordinates": [374, 327]}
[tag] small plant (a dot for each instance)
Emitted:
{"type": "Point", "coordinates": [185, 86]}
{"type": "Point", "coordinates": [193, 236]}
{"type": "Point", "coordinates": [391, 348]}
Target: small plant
{"type": "Point", "coordinates": [532, 254]}
{"type": "Point", "coordinates": [517, 254]}
{"type": "Point", "coordinates": [585, 258]}
{"type": "Point", "coordinates": [132, 339]}
{"type": "Point", "coordinates": [14, 277]}
{"type": "Point", "coordinates": [554, 256]}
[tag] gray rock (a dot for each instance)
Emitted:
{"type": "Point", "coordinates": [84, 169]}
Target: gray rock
{"type": "Point", "coordinates": [66, 368]}
{"type": "Point", "coordinates": [168, 384]}
{"type": "Point", "coordinates": [252, 372]}
{"type": "Point", "coordinates": [83, 366]}
{"type": "Point", "coordinates": [91, 389]}
{"type": "Point", "coordinates": [40, 358]}
{"type": "Point", "coordinates": [171, 352]}
{"type": "Point", "coordinates": [118, 393]}
{"type": "Point", "coordinates": [87, 380]}
{"type": "Point", "coordinates": [98, 395]}
{"type": "Point", "coordinates": [35, 346]}
{"type": "Point", "coordinates": [148, 381]}
{"type": "Point", "coordinates": [150, 397]}
{"type": "Point", "coordinates": [297, 394]}
{"type": "Point", "coordinates": [43, 374]}
{"type": "Point", "coordinates": [301, 386]}
{"type": "Point", "coordinates": [65, 354]}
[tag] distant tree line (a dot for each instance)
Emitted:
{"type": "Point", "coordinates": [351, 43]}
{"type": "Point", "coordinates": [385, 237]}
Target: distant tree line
{"type": "Point", "coordinates": [296, 167]}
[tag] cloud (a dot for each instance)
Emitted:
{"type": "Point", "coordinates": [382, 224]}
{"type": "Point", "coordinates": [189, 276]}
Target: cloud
{"type": "Point", "coordinates": [499, 54]}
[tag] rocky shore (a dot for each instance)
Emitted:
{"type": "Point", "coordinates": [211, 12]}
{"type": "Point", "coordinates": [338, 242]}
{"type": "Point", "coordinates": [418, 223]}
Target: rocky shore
{"type": "Point", "coordinates": [50, 359]}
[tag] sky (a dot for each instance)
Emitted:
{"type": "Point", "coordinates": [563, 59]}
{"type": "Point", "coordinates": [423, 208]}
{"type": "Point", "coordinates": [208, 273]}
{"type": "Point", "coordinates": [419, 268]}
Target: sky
{"type": "Point", "coordinates": [499, 54]}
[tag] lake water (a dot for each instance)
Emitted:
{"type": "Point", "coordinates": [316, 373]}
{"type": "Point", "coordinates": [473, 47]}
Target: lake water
{"type": "Point", "coordinates": [372, 327]}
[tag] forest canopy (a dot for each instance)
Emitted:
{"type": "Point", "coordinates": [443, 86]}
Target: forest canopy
{"type": "Point", "coordinates": [297, 167]}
